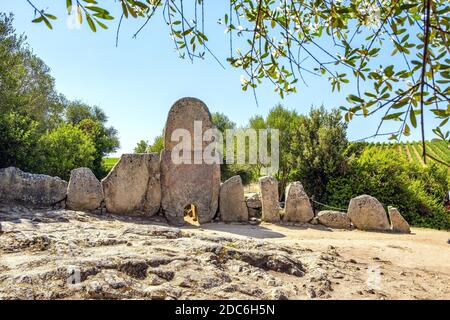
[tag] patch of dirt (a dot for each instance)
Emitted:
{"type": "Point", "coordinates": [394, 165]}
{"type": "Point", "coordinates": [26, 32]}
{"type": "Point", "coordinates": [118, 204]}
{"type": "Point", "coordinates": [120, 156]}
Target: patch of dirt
{"type": "Point", "coordinates": [62, 254]}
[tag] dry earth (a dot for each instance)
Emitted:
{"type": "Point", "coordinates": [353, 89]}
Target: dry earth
{"type": "Point", "coordinates": [111, 257]}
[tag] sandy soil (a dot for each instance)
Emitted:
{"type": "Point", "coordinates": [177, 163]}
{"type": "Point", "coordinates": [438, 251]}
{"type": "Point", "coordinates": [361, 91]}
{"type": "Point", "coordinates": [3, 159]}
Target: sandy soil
{"type": "Point", "coordinates": [136, 258]}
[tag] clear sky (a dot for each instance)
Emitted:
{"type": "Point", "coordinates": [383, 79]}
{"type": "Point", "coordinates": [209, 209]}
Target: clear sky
{"type": "Point", "coordinates": [137, 82]}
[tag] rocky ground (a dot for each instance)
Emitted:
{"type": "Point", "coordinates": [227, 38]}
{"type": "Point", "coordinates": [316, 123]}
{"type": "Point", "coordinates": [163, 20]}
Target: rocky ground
{"type": "Point", "coordinates": [62, 254]}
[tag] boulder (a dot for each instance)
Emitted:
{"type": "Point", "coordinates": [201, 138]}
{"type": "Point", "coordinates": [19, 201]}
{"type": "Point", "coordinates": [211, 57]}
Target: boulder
{"type": "Point", "coordinates": [253, 200]}
{"type": "Point", "coordinates": [297, 206]}
{"type": "Point", "coordinates": [398, 223]}
{"type": "Point", "coordinates": [32, 189]}
{"type": "Point", "coordinates": [84, 192]}
{"type": "Point", "coordinates": [232, 202]}
{"type": "Point", "coordinates": [314, 221]}
{"type": "Point", "coordinates": [254, 213]}
{"type": "Point", "coordinates": [334, 219]}
{"type": "Point", "coordinates": [269, 199]}
{"type": "Point", "coordinates": [367, 213]}
{"type": "Point", "coordinates": [133, 185]}
{"type": "Point", "coordinates": [192, 180]}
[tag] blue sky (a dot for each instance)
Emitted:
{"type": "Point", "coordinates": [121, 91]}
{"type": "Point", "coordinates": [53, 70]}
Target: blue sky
{"type": "Point", "coordinates": [137, 82]}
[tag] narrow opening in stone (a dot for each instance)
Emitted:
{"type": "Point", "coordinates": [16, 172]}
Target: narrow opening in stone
{"type": "Point", "coordinates": [191, 214]}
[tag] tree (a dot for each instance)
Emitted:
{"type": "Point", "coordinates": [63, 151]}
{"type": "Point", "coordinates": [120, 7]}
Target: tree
{"type": "Point", "coordinates": [158, 144]}
{"type": "Point", "coordinates": [156, 147]}
{"type": "Point", "coordinates": [18, 141]}
{"type": "Point", "coordinates": [257, 123]}
{"type": "Point", "coordinates": [92, 120]}
{"type": "Point", "coordinates": [26, 86]}
{"type": "Point", "coordinates": [33, 114]}
{"type": "Point", "coordinates": [287, 122]}
{"type": "Point", "coordinates": [65, 148]}
{"type": "Point", "coordinates": [320, 145]}
{"type": "Point", "coordinates": [222, 122]}
{"type": "Point", "coordinates": [281, 42]}
{"type": "Point", "coordinates": [105, 141]}
{"type": "Point", "coordinates": [29, 104]}
{"type": "Point", "coordinates": [312, 148]}
{"type": "Point", "coordinates": [141, 147]}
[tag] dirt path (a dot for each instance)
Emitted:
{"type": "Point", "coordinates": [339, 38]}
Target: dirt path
{"type": "Point", "coordinates": [62, 254]}
{"type": "Point", "coordinates": [424, 248]}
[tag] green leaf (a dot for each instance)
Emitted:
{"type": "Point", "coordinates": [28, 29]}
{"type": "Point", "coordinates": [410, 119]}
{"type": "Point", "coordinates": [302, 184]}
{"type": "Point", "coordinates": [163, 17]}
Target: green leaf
{"type": "Point", "coordinates": [101, 24]}
{"type": "Point", "coordinates": [48, 24]}
{"type": "Point", "coordinates": [352, 97]}
{"type": "Point", "coordinates": [69, 6]}
{"type": "Point", "coordinates": [412, 118]}
{"type": "Point", "coordinates": [91, 23]}
{"type": "Point", "coordinates": [443, 123]}
{"type": "Point", "coordinates": [39, 19]}
{"type": "Point", "coordinates": [50, 16]}
{"type": "Point", "coordinates": [391, 116]}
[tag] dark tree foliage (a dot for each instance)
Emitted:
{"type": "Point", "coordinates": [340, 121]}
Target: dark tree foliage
{"type": "Point", "coordinates": [34, 117]}
{"type": "Point", "coordinates": [92, 120]}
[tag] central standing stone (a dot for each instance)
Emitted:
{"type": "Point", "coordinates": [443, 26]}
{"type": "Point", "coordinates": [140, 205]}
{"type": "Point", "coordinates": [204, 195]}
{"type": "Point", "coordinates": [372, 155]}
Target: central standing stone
{"type": "Point", "coordinates": [195, 182]}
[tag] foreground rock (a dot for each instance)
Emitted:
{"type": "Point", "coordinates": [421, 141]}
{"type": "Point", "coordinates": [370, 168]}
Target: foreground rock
{"type": "Point", "coordinates": [232, 202]}
{"type": "Point", "coordinates": [367, 213]}
{"type": "Point", "coordinates": [398, 223]}
{"type": "Point", "coordinates": [191, 180]}
{"type": "Point", "coordinates": [133, 185]}
{"type": "Point", "coordinates": [297, 206]}
{"type": "Point", "coordinates": [34, 189]}
{"type": "Point", "coordinates": [334, 219]}
{"type": "Point", "coordinates": [269, 199]}
{"type": "Point", "coordinates": [63, 254]}
{"type": "Point", "coordinates": [84, 191]}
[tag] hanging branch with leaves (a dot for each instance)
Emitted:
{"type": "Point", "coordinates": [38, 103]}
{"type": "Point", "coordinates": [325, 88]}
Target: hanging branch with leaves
{"type": "Point", "coordinates": [394, 53]}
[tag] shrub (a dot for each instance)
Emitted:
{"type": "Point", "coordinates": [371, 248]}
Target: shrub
{"type": "Point", "coordinates": [94, 125]}
{"type": "Point", "coordinates": [65, 148]}
{"type": "Point", "coordinates": [417, 192]}
{"type": "Point", "coordinates": [320, 143]}
{"type": "Point", "coordinates": [246, 172]}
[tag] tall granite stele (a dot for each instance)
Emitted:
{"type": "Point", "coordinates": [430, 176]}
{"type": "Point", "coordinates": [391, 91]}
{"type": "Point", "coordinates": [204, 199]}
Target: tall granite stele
{"type": "Point", "coordinates": [192, 182]}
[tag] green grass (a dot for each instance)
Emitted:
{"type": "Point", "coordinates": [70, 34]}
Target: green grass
{"type": "Point", "coordinates": [109, 163]}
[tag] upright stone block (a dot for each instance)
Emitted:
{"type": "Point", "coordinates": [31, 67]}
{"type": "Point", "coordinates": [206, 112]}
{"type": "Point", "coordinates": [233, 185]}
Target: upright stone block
{"type": "Point", "coordinates": [133, 185]}
{"type": "Point", "coordinates": [84, 192]}
{"type": "Point", "coordinates": [232, 201]}
{"type": "Point", "coordinates": [367, 213]}
{"type": "Point", "coordinates": [398, 223]}
{"type": "Point", "coordinates": [269, 199]}
{"type": "Point", "coordinates": [297, 206]}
